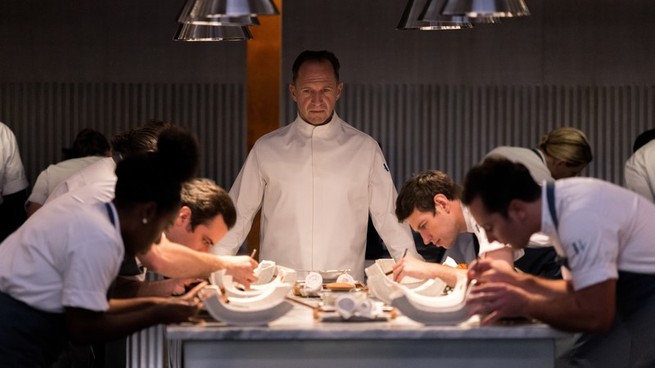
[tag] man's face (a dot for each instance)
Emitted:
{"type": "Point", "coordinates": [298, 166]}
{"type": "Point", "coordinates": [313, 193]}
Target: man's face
{"type": "Point", "coordinates": [498, 228]}
{"type": "Point", "coordinates": [202, 237]}
{"type": "Point", "coordinates": [316, 91]}
{"type": "Point", "coordinates": [439, 229]}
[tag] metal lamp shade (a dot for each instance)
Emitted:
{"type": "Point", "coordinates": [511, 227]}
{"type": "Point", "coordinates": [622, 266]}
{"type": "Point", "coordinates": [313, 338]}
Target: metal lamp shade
{"type": "Point", "coordinates": [231, 8]}
{"type": "Point", "coordinates": [410, 19]}
{"type": "Point", "coordinates": [486, 8]}
{"type": "Point", "coordinates": [192, 32]}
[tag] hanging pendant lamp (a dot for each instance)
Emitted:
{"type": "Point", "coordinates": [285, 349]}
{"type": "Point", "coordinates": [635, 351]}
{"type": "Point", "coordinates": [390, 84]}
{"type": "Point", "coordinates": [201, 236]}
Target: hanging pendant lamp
{"type": "Point", "coordinates": [410, 19]}
{"type": "Point", "coordinates": [486, 8]}
{"type": "Point", "coordinates": [193, 32]}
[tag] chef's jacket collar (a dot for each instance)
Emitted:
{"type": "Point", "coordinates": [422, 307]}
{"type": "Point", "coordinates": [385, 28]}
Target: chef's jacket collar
{"type": "Point", "coordinates": [327, 130]}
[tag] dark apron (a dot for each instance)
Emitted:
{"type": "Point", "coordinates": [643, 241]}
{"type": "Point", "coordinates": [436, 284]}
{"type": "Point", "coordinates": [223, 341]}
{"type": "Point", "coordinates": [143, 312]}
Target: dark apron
{"type": "Point", "coordinates": [29, 337]}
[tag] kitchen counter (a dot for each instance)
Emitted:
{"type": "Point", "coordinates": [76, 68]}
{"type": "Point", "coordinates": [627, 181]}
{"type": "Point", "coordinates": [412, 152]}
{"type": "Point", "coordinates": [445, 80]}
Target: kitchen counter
{"type": "Point", "coordinates": [299, 340]}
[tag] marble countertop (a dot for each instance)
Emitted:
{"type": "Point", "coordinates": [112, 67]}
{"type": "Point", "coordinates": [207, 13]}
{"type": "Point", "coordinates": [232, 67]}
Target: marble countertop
{"type": "Point", "coordinates": [300, 323]}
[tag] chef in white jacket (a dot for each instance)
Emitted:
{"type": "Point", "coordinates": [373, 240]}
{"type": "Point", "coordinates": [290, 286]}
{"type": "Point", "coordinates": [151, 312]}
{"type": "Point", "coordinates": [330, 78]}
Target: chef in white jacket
{"type": "Point", "coordinates": [316, 180]}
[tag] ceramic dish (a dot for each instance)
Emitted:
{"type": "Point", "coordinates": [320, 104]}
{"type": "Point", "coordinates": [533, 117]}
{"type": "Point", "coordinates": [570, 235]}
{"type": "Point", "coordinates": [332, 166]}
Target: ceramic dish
{"type": "Point", "coordinates": [283, 275]}
{"type": "Point", "coordinates": [449, 309]}
{"type": "Point", "coordinates": [265, 272]}
{"type": "Point", "coordinates": [428, 317]}
{"type": "Point", "coordinates": [243, 316]}
{"type": "Point", "coordinates": [274, 295]}
{"type": "Point", "coordinates": [384, 266]}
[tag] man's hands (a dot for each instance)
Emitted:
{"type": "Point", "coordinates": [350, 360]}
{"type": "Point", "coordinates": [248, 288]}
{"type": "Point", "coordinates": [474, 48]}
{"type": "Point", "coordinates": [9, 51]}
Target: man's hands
{"type": "Point", "coordinates": [496, 293]}
{"type": "Point", "coordinates": [241, 268]}
{"type": "Point", "coordinates": [412, 267]}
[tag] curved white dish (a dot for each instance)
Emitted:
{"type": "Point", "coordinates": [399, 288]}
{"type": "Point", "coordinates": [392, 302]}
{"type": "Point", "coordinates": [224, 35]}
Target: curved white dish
{"type": "Point", "coordinates": [244, 316]}
{"type": "Point", "coordinates": [431, 287]}
{"type": "Point", "coordinates": [282, 275]}
{"type": "Point", "coordinates": [265, 272]}
{"type": "Point", "coordinates": [232, 290]}
{"type": "Point", "coordinates": [428, 317]}
{"type": "Point", "coordinates": [274, 295]}
{"type": "Point", "coordinates": [287, 275]}
{"type": "Point", "coordinates": [453, 301]}
{"type": "Point", "coordinates": [440, 310]}
{"type": "Point", "coordinates": [381, 285]}
{"type": "Point", "coordinates": [385, 265]}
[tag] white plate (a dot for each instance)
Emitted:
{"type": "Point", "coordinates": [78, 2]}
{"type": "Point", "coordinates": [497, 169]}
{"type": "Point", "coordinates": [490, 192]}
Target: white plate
{"type": "Point", "coordinates": [331, 275]}
{"type": "Point", "coordinates": [274, 295]}
{"type": "Point", "coordinates": [429, 317]}
{"type": "Point", "coordinates": [449, 309]}
{"type": "Point", "coordinates": [240, 316]}
{"type": "Point", "coordinates": [265, 272]}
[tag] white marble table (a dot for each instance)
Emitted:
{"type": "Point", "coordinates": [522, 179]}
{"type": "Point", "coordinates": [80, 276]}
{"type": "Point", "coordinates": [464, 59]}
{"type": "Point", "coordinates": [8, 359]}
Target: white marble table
{"type": "Point", "coordinates": [298, 340]}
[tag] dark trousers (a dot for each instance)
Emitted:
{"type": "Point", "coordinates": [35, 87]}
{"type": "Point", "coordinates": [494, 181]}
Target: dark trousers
{"type": "Point", "coordinates": [630, 341]}
{"type": "Point", "coordinates": [29, 337]}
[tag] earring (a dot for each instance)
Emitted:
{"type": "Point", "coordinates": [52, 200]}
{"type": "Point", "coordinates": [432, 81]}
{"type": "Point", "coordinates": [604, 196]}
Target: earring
{"type": "Point", "coordinates": [144, 220]}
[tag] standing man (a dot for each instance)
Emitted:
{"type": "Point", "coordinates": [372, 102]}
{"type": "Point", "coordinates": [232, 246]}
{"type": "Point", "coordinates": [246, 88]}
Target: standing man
{"type": "Point", "coordinates": [602, 232]}
{"type": "Point", "coordinates": [316, 180]}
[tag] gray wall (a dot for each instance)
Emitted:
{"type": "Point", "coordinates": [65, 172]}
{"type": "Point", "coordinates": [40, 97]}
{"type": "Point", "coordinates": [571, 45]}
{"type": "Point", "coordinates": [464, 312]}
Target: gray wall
{"type": "Point", "coordinates": [433, 99]}
{"type": "Point", "coordinates": [441, 99]}
{"type": "Point", "coordinates": [112, 65]}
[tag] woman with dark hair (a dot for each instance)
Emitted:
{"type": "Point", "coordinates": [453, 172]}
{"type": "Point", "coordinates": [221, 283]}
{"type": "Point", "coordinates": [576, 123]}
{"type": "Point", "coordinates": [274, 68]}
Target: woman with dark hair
{"type": "Point", "coordinates": [56, 270]}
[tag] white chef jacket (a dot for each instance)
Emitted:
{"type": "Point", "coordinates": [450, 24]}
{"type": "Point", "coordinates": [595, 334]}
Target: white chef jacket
{"type": "Point", "coordinates": [603, 228]}
{"type": "Point", "coordinates": [639, 171]}
{"type": "Point", "coordinates": [49, 178]}
{"type": "Point", "coordinates": [67, 254]}
{"type": "Point", "coordinates": [315, 186]}
{"type": "Point", "coordinates": [12, 173]}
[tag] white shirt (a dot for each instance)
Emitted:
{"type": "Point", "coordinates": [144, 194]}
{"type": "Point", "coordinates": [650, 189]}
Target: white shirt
{"type": "Point", "coordinates": [67, 254]}
{"type": "Point", "coordinates": [102, 171]}
{"type": "Point", "coordinates": [603, 228]}
{"type": "Point", "coordinates": [12, 173]}
{"type": "Point", "coordinates": [534, 160]}
{"type": "Point", "coordinates": [49, 178]}
{"type": "Point", "coordinates": [640, 171]}
{"type": "Point", "coordinates": [315, 186]}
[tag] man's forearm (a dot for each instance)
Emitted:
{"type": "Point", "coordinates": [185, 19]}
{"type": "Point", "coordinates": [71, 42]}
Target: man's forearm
{"type": "Point", "coordinates": [177, 261]}
{"type": "Point", "coordinates": [555, 302]}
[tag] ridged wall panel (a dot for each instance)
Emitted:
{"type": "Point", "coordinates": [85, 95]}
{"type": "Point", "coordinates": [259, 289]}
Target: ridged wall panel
{"type": "Point", "coordinates": [45, 117]}
{"type": "Point", "coordinates": [450, 127]}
